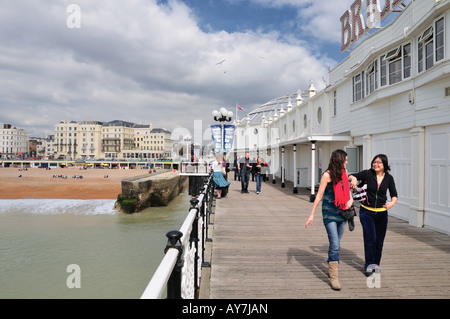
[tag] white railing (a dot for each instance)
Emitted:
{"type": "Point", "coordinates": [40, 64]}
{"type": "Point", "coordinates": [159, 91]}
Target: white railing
{"type": "Point", "coordinates": [195, 168]}
{"type": "Point", "coordinates": [180, 269]}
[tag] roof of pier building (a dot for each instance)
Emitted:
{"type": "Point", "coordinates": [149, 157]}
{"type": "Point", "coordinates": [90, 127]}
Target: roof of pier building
{"type": "Point", "coordinates": [275, 106]}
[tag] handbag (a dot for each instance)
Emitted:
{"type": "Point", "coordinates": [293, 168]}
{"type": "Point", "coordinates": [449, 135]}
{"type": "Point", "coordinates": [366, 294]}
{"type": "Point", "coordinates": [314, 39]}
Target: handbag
{"type": "Point", "coordinates": [348, 215]}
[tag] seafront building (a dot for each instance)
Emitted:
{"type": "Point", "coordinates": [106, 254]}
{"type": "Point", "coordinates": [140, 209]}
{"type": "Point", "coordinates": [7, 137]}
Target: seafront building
{"type": "Point", "coordinates": [78, 140]}
{"type": "Point", "coordinates": [151, 143]}
{"type": "Point", "coordinates": [391, 95]}
{"type": "Point", "coordinates": [45, 147]}
{"type": "Point", "coordinates": [89, 140]}
{"type": "Point", "coordinates": [13, 142]}
{"type": "Point", "coordinates": [117, 137]}
{"type": "Point", "coordinates": [114, 140]}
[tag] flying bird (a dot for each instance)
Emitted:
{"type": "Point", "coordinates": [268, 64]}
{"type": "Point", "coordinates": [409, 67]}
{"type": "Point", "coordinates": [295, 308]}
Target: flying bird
{"type": "Point", "coordinates": [220, 62]}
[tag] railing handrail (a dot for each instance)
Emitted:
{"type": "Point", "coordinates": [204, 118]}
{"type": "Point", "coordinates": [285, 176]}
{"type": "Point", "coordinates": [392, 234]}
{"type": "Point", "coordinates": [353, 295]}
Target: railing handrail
{"type": "Point", "coordinates": [167, 267]}
{"type": "Point", "coordinates": [157, 284]}
{"type": "Point", "coordinates": [186, 228]}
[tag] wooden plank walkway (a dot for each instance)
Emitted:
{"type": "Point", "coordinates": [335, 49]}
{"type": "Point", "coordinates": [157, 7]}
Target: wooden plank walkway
{"type": "Point", "coordinates": [261, 249]}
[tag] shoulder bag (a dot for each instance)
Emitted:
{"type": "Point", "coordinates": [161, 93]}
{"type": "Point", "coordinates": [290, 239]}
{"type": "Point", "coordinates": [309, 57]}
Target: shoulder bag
{"type": "Point", "coordinates": [349, 215]}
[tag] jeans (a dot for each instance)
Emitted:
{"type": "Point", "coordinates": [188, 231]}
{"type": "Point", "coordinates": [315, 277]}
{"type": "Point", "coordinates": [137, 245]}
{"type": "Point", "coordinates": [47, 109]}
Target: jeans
{"type": "Point", "coordinates": [258, 182]}
{"type": "Point", "coordinates": [374, 225]}
{"type": "Point", "coordinates": [335, 230]}
{"type": "Point", "coordinates": [245, 176]}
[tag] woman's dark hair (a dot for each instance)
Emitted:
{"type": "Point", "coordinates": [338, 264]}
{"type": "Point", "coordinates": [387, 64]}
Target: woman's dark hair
{"type": "Point", "coordinates": [336, 165]}
{"type": "Point", "coordinates": [384, 160]}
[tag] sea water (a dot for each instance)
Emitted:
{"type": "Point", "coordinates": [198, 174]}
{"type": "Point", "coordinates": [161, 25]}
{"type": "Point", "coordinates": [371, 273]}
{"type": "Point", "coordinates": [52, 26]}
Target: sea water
{"type": "Point", "coordinates": [116, 254]}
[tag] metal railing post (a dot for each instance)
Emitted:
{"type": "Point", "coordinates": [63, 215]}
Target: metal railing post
{"type": "Point", "coordinates": [211, 195]}
{"type": "Point", "coordinates": [174, 282]}
{"type": "Point", "coordinates": [203, 215]}
{"type": "Point", "coordinates": [194, 241]}
{"type": "Point", "coordinates": [209, 199]}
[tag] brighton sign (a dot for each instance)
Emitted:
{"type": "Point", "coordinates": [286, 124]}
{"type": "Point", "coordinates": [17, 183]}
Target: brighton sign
{"type": "Point", "coordinates": [355, 23]}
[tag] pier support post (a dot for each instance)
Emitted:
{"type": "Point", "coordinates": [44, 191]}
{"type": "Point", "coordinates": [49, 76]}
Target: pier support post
{"type": "Point", "coordinates": [295, 190]}
{"type": "Point", "coordinates": [273, 165]}
{"type": "Point", "coordinates": [283, 170]}
{"type": "Point", "coordinates": [313, 172]}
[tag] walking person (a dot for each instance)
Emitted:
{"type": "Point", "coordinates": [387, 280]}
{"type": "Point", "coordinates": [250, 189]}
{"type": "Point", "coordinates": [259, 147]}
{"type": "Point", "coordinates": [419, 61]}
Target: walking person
{"type": "Point", "coordinates": [225, 168]}
{"type": "Point", "coordinates": [373, 213]}
{"type": "Point", "coordinates": [258, 175]}
{"type": "Point", "coordinates": [253, 170]}
{"type": "Point", "coordinates": [218, 177]}
{"type": "Point", "coordinates": [236, 168]}
{"type": "Point", "coordinates": [334, 190]}
{"type": "Point", "coordinates": [245, 168]}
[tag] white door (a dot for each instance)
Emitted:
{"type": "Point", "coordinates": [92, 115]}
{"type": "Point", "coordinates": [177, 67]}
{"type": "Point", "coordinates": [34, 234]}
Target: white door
{"type": "Point", "coordinates": [437, 176]}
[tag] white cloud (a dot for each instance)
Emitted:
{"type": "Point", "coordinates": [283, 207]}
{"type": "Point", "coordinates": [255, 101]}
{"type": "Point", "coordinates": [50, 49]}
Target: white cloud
{"type": "Point", "coordinates": [137, 61]}
{"type": "Point", "coordinates": [324, 21]}
{"type": "Point", "coordinates": [320, 19]}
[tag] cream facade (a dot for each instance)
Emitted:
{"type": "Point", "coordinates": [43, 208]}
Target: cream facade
{"type": "Point", "coordinates": [391, 95]}
{"type": "Point", "coordinates": [78, 140]}
{"type": "Point", "coordinates": [115, 140]}
{"type": "Point", "coordinates": [13, 142]}
{"type": "Point", "coordinates": [151, 143]}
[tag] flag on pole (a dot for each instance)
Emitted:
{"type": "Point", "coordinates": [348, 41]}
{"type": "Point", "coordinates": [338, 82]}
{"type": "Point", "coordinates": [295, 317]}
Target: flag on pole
{"type": "Point", "coordinates": [238, 108]}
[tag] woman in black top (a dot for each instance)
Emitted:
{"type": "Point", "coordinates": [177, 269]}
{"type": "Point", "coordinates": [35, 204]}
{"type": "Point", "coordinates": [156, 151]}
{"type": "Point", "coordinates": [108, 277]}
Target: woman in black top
{"type": "Point", "coordinates": [373, 213]}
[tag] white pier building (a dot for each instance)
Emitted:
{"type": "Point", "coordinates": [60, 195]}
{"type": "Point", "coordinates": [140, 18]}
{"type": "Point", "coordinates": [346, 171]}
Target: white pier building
{"type": "Point", "coordinates": [391, 95]}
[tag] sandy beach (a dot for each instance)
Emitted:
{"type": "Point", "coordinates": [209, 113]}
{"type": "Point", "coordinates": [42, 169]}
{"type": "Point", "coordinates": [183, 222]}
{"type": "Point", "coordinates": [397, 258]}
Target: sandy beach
{"type": "Point", "coordinates": [41, 183]}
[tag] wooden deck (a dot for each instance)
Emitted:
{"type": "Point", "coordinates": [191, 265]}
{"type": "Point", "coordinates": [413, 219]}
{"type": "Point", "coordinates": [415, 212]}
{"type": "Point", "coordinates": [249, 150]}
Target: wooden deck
{"type": "Point", "coordinates": [261, 249]}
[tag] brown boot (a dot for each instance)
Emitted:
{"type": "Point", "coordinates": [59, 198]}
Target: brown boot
{"type": "Point", "coordinates": [333, 275]}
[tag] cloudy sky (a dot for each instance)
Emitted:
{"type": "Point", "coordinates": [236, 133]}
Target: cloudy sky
{"type": "Point", "coordinates": [157, 61]}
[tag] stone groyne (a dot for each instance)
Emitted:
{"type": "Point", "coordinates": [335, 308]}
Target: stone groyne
{"type": "Point", "coordinates": [141, 192]}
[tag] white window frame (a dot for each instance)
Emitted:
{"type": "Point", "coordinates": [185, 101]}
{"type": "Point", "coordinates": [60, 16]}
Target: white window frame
{"type": "Point", "coordinates": [439, 57]}
{"type": "Point", "coordinates": [407, 61]}
{"type": "Point", "coordinates": [394, 65]}
{"type": "Point", "coordinates": [372, 77]}
{"type": "Point", "coordinates": [335, 103]}
{"type": "Point", "coordinates": [427, 46]}
{"type": "Point", "coordinates": [383, 71]}
{"type": "Point", "coordinates": [358, 87]}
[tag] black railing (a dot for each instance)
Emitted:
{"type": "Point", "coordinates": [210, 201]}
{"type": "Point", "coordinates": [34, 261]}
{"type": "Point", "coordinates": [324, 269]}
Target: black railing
{"type": "Point", "coordinates": [180, 269]}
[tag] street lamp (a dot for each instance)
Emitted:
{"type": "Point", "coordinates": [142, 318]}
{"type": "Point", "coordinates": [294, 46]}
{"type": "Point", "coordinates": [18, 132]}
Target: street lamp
{"type": "Point", "coordinates": [223, 115]}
